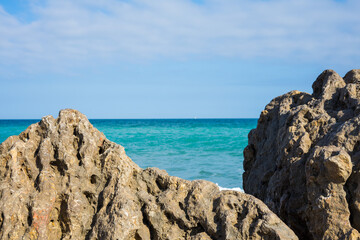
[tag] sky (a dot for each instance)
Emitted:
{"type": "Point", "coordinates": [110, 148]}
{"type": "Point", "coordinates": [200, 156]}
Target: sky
{"type": "Point", "coordinates": [168, 58]}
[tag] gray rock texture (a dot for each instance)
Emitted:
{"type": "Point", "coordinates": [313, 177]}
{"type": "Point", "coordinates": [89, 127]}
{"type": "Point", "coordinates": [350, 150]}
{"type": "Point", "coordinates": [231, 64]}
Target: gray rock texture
{"type": "Point", "coordinates": [303, 159]}
{"type": "Point", "coordinates": [62, 179]}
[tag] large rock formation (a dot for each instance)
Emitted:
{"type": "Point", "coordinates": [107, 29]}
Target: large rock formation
{"type": "Point", "coordinates": [62, 179]}
{"type": "Point", "coordinates": [303, 159]}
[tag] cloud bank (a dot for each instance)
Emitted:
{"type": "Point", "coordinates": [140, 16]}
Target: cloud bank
{"type": "Point", "coordinates": [78, 32]}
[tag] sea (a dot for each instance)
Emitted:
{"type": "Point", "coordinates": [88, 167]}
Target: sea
{"type": "Point", "coordinates": [209, 149]}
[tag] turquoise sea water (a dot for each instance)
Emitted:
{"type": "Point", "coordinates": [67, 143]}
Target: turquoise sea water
{"type": "Point", "coordinates": [210, 149]}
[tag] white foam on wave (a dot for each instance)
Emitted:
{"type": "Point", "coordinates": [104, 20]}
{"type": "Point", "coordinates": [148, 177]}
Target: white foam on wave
{"type": "Point", "coordinates": [234, 189]}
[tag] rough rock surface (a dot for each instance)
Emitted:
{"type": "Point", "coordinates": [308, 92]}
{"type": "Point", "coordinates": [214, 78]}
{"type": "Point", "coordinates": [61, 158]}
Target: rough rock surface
{"type": "Point", "coordinates": [62, 179]}
{"type": "Point", "coordinates": [303, 159]}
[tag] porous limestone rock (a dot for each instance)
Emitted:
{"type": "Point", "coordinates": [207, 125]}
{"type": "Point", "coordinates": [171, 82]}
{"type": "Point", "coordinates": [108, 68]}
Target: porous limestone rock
{"type": "Point", "coordinates": [62, 179]}
{"type": "Point", "coordinates": [303, 159]}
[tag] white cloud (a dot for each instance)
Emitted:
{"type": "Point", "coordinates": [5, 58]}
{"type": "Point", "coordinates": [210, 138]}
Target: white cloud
{"type": "Point", "coordinates": [68, 33]}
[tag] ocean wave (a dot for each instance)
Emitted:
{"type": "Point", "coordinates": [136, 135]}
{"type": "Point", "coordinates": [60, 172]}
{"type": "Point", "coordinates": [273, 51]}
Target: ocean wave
{"type": "Point", "coordinates": [234, 189]}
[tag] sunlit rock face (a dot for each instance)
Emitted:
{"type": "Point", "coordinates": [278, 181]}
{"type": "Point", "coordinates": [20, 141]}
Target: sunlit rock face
{"type": "Point", "coordinates": [62, 179]}
{"type": "Point", "coordinates": [303, 159]}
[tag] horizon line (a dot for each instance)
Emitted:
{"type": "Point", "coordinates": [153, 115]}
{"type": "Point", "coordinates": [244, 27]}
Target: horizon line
{"type": "Point", "coordinates": [194, 118]}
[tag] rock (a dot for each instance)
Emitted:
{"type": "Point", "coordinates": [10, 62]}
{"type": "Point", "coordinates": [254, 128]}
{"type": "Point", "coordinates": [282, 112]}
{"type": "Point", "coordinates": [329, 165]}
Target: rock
{"type": "Point", "coordinates": [353, 76]}
{"type": "Point", "coordinates": [62, 179]}
{"type": "Point", "coordinates": [303, 159]}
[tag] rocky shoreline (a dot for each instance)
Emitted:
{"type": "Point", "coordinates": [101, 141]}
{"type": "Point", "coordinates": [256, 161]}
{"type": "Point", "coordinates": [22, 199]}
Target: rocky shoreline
{"type": "Point", "coordinates": [303, 159]}
{"type": "Point", "coordinates": [62, 179]}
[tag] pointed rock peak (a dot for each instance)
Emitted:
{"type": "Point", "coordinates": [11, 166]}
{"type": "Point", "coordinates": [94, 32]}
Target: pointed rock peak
{"type": "Point", "coordinates": [72, 115]}
{"type": "Point", "coordinates": [353, 76]}
{"type": "Point", "coordinates": [326, 84]}
{"type": "Point", "coordinates": [70, 123]}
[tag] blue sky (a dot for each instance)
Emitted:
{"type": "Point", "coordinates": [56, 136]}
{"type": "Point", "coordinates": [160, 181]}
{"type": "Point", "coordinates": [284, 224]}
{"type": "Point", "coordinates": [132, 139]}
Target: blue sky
{"type": "Point", "coordinates": [168, 58]}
